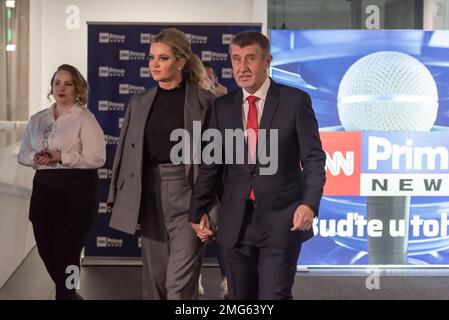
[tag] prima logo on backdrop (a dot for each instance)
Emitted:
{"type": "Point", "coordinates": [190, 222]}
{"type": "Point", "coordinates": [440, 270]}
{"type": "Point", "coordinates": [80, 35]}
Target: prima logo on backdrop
{"type": "Point", "coordinates": [226, 38]}
{"type": "Point", "coordinates": [145, 38]}
{"type": "Point", "coordinates": [125, 88]}
{"type": "Point", "coordinates": [106, 242]}
{"type": "Point", "coordinates": [213, 56]}
{"type": "Point", "coordinates": [120, 122]}
{"type": "Point", "coordinates": [386, 163]}
{"type": "Point", "coordinates": [196, 39]}
{"type": "Point", "coordinates": [145, 72]}
{"type": "Point", "coordinates": [226, 73]}
{"type": "Point", "coordinates": [105, 72]}
{"type": "Point", "coordinates": [126, 55]}
{"type": "Point", "coordinates": [105, 37]}
{"type": "Point", "coordinates": [412, 164]}
{"type": "Point", "coordinates": [110, 140]}
{"type": "Point", "coordinates": [105, 105]}
{"type": "Point", "coordinates": [103, 207]}
{"type": "Point", "coordinates": [104, 173]}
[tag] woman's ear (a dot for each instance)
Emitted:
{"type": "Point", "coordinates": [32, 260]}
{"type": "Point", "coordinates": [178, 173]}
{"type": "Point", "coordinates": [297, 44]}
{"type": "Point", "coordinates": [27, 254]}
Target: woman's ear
{"type": "Point", "coordinates": [181, 63]}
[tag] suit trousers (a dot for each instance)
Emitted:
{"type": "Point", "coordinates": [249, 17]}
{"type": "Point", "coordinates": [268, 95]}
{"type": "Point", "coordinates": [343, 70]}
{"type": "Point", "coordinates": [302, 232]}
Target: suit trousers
{"type": "Point", "coordinates": [62, 210]}
{"type": "Point", "coordinates": [255, 268]}
{"type": "Point", "coordinates": [172, 253]}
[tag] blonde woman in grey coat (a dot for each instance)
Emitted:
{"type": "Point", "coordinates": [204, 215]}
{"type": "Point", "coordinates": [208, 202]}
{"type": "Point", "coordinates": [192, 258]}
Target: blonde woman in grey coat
{"type": "Point", "coordinates": [147, 188]}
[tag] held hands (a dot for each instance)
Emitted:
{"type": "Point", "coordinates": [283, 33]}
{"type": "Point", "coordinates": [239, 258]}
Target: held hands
{"type": "Point", "coordinates": [203, 229]}
{"type": "Point", "coordinates": [303, 218]}
{"type": "Point", "coordinates": [47, 157]}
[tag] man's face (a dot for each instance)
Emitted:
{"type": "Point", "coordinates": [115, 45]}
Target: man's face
{"type": "Point", "coordinates": [249, 66]}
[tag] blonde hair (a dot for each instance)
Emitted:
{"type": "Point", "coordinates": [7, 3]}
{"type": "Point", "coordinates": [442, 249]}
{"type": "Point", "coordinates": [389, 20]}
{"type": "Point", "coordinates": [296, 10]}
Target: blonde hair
{"type": "Point", "coordinates": [193, 70]}
{"type": "Point", "coordinates": [78, 80]}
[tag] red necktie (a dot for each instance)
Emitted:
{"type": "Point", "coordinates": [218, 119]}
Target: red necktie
{"type": "Point", "coordinates": [251, 123]}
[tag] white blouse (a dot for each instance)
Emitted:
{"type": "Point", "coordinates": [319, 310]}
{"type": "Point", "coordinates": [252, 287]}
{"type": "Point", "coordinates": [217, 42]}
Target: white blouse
{"type": "Point", "coordinates": [76, 133]}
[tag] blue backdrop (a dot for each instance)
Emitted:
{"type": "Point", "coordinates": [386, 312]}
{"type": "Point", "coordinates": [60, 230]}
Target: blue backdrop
{"type": "Point", "coordinates": [118, 68]}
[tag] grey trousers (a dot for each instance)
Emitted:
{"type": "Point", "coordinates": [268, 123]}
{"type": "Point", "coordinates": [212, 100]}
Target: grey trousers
{"type": "Point", "coordinates": [171, 252]}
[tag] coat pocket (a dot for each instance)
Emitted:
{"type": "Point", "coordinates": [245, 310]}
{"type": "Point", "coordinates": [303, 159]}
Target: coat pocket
{"type": "Point", "coordinates": [289, 196]}
{"type": "Point", "coordinates": [121, 184]}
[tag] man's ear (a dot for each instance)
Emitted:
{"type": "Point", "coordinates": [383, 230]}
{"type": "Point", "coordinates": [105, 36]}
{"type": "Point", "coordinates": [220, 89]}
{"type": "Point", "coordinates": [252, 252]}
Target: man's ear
{"type": "Point", "coordinates": [268, 59]}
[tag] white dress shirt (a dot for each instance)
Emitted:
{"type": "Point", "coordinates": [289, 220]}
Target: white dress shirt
{"type": "Point", "coordinates": [76, 134]}
{"type": "Point", "coordinates": [261, 93]}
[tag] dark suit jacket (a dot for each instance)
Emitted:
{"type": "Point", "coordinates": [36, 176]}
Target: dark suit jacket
{"type": "Point", "coordinates": [299, 179]}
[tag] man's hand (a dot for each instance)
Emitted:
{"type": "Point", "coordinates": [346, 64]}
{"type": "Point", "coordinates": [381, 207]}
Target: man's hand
{"type": "Point", "coordinates": [303, 218]}
{"type": "Point", "coordinates": [203, 229]}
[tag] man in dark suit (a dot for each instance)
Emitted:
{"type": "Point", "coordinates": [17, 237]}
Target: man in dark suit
{"type": "Point", "coordinates": [263, 218]}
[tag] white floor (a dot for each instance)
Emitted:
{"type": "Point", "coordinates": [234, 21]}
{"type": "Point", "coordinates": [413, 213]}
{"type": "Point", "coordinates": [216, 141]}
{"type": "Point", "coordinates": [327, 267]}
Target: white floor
{"type": "Point", "coordinates": [31, 282]}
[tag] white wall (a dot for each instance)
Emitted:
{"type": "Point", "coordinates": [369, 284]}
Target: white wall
{"type": "Point", "coordinates": [52, 44]}
{"type": "Point", "coordinates": [16, 232]}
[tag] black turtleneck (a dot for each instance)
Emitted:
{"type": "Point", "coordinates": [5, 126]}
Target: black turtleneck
{"type": "Point", "coordinates": [167, 114]}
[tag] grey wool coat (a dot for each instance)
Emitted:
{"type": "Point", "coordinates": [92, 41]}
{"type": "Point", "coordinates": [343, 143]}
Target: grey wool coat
{"type": "Point", "coordinates": [125, 190]}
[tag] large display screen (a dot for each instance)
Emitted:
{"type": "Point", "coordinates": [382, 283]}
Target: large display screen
{"type": "Point", "coordinates": [382, 103]}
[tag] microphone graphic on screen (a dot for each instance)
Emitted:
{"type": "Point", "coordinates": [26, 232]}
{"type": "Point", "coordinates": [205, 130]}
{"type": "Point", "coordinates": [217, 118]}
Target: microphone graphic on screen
{"type": "Point", "coordinates": [388, 91]}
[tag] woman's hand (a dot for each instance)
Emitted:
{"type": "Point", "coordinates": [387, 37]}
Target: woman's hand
{"type": "Point", "coordinates": [41, 158]}
{"type": "Point", "coordinates": [55, 155]}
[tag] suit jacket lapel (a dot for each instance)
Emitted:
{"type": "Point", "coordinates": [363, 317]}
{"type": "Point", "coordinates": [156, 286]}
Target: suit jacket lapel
{"type": "Point", "coordinates": [236, 110]}
{"type": "Point", "coordinates": [143, 111]}
{"type": "Point", "coordinates": [146, 102]}
{"type": "Point", "coordinates": [271, 104]}
{"type": "Point", "coordinates": [269, 110]}
{"type": "Point", "coordinates": [237, 119]}
{"type": "Point", "coordinates": [193, 111]}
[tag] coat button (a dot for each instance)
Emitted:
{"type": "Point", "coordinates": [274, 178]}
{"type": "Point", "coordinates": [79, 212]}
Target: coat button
{"type": "Point", "coordinates": [131, 174]}
{"type": "Point", "coordinates": [133, 145]}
